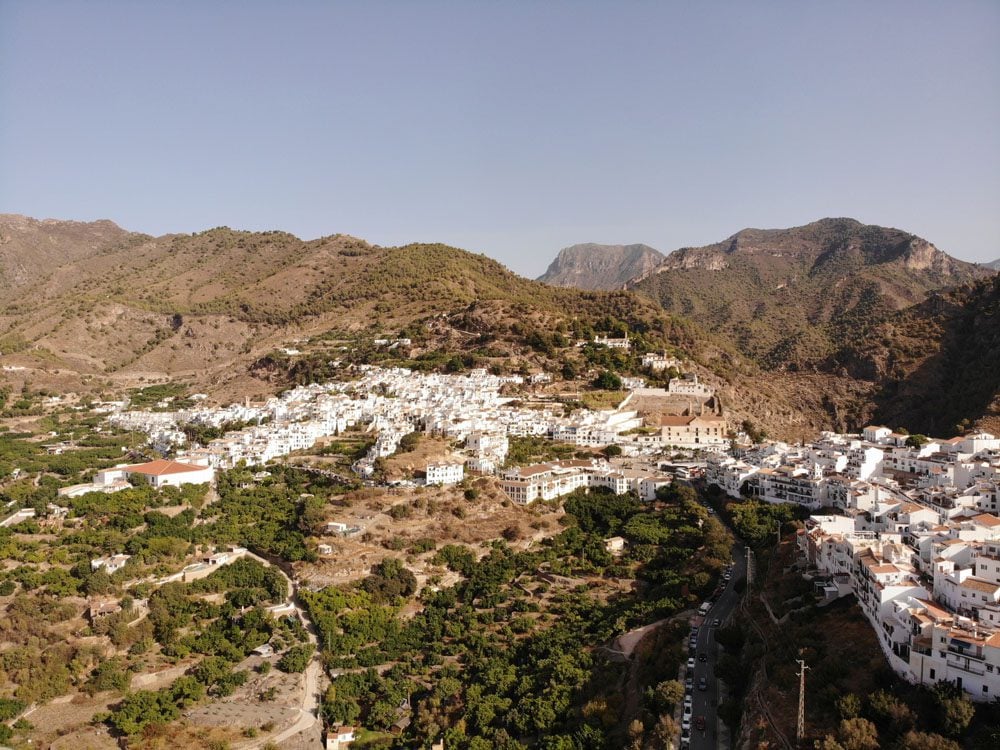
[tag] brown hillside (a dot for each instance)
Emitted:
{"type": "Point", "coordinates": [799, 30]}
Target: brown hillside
{"type": "Point", "coordinates": [788, 298]}
{"type": "Point", "coordinates": [204, 307]}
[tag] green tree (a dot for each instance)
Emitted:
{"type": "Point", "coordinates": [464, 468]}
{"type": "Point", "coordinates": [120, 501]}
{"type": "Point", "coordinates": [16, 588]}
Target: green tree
{"type": "Point", "coordinates": [296, 659]}
{"type": "Point", "coordinates": [890, 714]}
{"type": "Point", "coordinates": [857, 734]}
{"type": "Point", "coordinates": [849, 706]}
{"type": "Point", "coordinates": [923, 741]}
{"type": "Point", "coordinates": [953, 709]}
{"type": "Point", "coordinates": [608, 381]}
{"type": "Point", "coordinates": [668, 694]}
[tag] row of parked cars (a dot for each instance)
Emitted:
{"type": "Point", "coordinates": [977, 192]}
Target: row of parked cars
{"type": "Point", "coordinates": [694, 657]}
{"type": "Point", "coordinates": [687, 718]}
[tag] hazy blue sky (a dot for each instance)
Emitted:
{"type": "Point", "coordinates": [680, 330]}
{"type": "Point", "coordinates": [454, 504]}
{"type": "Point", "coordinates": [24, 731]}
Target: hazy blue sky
{"type": "Point", "coordinates": [512, 129]}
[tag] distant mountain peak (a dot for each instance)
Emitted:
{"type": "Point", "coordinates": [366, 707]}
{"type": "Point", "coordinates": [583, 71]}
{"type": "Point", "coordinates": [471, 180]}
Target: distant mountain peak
{"type": "Point", "coordinates": [593, 266]}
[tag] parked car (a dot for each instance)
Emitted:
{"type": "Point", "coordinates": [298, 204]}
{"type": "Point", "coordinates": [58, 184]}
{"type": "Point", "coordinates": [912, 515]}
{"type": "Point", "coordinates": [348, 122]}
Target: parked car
{"type": "Point", "coordinates": [690, 664]}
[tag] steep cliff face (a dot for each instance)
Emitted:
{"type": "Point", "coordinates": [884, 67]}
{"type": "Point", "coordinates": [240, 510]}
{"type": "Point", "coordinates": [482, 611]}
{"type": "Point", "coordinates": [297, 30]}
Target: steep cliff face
{"type": "Point", "coordinates": [591, 266]}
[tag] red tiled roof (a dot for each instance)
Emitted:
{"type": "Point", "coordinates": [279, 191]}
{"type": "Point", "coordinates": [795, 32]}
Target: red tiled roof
{"type": "Point", "coordinates": [162, 466]}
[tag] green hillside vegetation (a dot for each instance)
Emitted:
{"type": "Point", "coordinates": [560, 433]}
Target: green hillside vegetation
{"type": "Point", "coordinates": [206, 307]}
{"type": "Point", "coordinates": [937, 362]}
{"type": "Point", "coordinates": [509, 657]}
{"type": "Point", "coordinates": [790, 298]}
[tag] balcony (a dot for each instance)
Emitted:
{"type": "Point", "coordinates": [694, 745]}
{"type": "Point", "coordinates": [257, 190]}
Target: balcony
{"type": "Point", "coordinates": [958, 660]}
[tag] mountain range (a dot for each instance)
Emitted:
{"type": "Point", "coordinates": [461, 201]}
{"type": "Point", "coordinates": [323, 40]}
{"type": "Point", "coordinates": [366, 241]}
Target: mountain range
{"type": "Point", "coordinates": [793, 297]}
{"type": "Point", "coordinates": [111, 306]}
{"type": "Point", "coordinates": [824, 326]}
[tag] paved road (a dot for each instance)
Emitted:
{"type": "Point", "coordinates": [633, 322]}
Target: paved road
{"type": "Point", "coordinates": [705, 702]}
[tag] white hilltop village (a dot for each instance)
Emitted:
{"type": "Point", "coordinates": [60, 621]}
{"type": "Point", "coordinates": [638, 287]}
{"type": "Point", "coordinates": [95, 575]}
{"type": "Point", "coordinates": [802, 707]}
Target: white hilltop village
{"type": "Point", "coordinates": [910, 528]}
{"type": "Point", "coordinates": [391, 403]}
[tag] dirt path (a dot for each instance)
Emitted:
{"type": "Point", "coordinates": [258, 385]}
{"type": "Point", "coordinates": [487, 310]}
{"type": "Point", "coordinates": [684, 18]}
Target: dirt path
{"type": "Point", "coordinates": [309, 710]}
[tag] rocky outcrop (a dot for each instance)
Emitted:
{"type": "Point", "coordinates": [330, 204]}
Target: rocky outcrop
{"type": "Point", "coordinates": [591, 266]}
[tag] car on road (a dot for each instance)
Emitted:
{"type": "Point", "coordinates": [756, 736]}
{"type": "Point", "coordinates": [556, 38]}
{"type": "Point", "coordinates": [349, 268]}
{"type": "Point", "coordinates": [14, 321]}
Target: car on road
{"type": "Point", "coordinates": [702, 684]}
{"type": "Point", "coordinates": [699, 723]}
{"type": "Point", "coordinates": [716, 622]}
{"type": "Point", "coordinates": [703, 657]}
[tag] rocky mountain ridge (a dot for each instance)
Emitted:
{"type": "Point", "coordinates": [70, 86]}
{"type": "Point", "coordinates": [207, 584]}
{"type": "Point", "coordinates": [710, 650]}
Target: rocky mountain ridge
{"type": "Point", "coordinates": [792, 297]}
{"type": "Point", "coordinates": [94, 307]}
{"type": "Point", "coordinates": [594, 266]}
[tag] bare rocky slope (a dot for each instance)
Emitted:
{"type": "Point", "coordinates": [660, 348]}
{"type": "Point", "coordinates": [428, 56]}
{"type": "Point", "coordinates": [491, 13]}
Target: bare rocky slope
{"type": "Point", "coordinates": [592, 266]}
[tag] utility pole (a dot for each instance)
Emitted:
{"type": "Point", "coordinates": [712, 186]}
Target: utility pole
{"type": "Point", "coordinates": [746, 596]}
{"type": "Point", "coordinates": [800, 728]}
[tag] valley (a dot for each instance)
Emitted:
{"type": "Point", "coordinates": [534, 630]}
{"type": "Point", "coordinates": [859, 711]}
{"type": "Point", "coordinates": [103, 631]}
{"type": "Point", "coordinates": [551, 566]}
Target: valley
{"type": "Point", "coordinates": [348, 492]}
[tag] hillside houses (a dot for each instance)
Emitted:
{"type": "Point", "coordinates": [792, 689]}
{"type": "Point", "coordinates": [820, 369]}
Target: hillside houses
{"type": "Point", "coordinates": [942, 626]}
{"type": "Point", "coordinates": [689, 386]}
{"type": "Point", "coordinates": [548, 481]}
{"type": "Point", "coordinates": [852, 472]}
{"type": "Point", "coordinates": [914, 536]}
{"type": "Point", "coordinates": [658, 362]}
{"type": "Point", "coordinates": [392, 402]}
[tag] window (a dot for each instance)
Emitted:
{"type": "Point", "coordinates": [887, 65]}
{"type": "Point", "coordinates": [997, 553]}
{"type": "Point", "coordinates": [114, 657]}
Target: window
{"type": "Point", "coordinates": [932, 674]}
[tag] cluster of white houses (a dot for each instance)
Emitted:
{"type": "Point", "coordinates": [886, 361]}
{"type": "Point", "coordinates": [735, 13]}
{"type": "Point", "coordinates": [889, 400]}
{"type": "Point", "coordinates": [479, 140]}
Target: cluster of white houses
{"type": "Point", "coordinates": [395, 402]}
{"type": "Point", "coordinates": [526, 484]}
{"type": "Point", "coordinates": [912, 532]}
